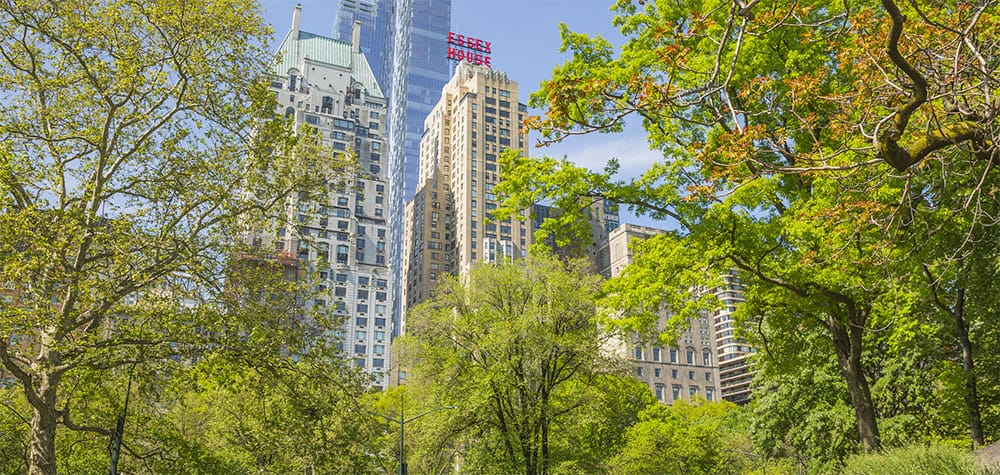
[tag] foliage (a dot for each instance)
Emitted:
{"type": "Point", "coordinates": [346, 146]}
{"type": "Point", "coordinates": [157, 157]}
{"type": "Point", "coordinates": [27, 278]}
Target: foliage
{"type": "Point", "coordinates": [685, 438]}
{"type": "Point", "coordinates": [915, 459]}
{"type": "Point", "coordinates": [128, 131]}
{"type": "Point", "coordinates": [515, 348]}
{"type": "Point", "coordinates": [806, 145]}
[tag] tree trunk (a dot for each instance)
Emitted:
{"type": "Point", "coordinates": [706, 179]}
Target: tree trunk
{"type": "Point", "coordinates": [847, 343]}
{"type": "Point", "coordinates": [42, 459]}
{"type": "Point", "coordinates": [971, 396]}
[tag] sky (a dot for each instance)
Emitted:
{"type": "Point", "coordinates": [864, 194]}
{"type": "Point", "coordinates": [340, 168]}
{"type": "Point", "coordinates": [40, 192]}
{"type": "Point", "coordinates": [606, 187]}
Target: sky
{"type": "Point", "coordinates": [525, 45]}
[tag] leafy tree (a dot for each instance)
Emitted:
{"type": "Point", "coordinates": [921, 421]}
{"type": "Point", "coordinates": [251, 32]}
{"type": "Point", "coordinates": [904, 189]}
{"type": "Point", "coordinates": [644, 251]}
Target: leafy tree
{"type": "Point", "coordinates": [515, 348]}
{"type": "Point", "coordinates": [794, 136]}
{"type": "Point", "coordinates": [685, 438]}
{"type": "Point", "coordinates": [128, 131]}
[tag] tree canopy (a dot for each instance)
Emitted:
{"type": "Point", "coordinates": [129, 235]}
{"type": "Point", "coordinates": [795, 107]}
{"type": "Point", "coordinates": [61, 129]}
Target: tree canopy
{"type": "Point", "coordinates": [807, 145]}
{"type": "Point", "coordinates": [137, 141]}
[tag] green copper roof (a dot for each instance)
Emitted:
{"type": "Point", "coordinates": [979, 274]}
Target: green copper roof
{"type": "Point", "coordinates": [326, 50]}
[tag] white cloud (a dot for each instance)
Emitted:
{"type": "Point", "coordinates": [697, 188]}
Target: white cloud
{"type": "Point", "coordinates": [593, 151]}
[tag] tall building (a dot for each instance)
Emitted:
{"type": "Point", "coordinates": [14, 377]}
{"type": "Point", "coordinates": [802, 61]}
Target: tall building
{"type": "Point", "coordinates": [672, 372]}
{"type": "Point", "coordinates": [734, 370]}
{"type": "Point", "coordinates": [450, 222]}
{"type": "Point", "coordinates": [327, 84]}
{"type": "Point", "coordinates": [406, 42]}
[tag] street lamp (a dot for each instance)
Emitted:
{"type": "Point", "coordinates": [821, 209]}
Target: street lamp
{"type": "Point", "coordinates": [402, 423]}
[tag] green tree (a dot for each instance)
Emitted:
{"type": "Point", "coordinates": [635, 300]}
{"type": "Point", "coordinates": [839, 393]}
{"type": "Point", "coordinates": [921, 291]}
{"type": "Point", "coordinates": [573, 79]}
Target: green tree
{"type": "Point", "coordinates": [685, 438]}
{"type": "Point", "coordinates": [514, 347]}
{"type": "Point", "coordinates": [793, 135]}
{"type": "Point", "coordinates": [137, 142]}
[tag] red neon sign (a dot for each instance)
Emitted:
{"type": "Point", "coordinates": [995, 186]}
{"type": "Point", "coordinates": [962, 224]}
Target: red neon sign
{"type": "Point", "coordinates": [468, 48]}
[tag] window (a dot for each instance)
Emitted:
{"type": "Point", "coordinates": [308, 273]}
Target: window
{"type": "Point", "coordinates": [710, 394]}
{"type": "Point", "coordinates": [361, 321]}
{"type": "Point", "coordinates": [359, 349]}
{"type": "Point", "coordinates": [657, 372]}
{"type": "Point", "coordinates": [706, 357]}
{"type": "Point", "coordinates": [673, 355]}
{"type": "Point", "coordinates": [673, 373]}
{"type": "Point", "coordinates": [659, 392]}
{"type": "Point", "coordinates": [708, 375]}
{"type": "Point", "coordinates": [362, 308]}
{"type": "Point", "coordinates": [656, 354]}
{"type": "Point", "coordinates": [361, 335]}
{"type": "Point", "coordinates": [638, 352]}
{"type": "Point", "coordinates": [694, 390]}
{"type": "Point", "coordinates": [638, 371]}
{"type": "Point", "coordinates": [691, 375]}
{"type": "Point", "coordinates": [690, 356]}
{"type": "Point", "coordinates": [379, 335]}
{"type": "Point", "coordinates": [677, 392]}
{"type": "Point", "coordinates": [378, 349]}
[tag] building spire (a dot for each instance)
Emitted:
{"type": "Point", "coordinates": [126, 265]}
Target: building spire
{"type": "Point", "coordinates": [296, 15]}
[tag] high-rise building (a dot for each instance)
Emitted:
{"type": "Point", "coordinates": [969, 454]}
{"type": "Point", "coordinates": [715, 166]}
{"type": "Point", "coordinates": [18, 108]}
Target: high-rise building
{"type": "Point", "coordinates": [327, 84]}
{"type": "Point", "coordinates": [734, 370]}
{"type": "Point", "coordinates": [450, 222]}
{"type": "Point", "coordinates": [406, 42]}
{"type": "Point", "coordinates": [673, 372]}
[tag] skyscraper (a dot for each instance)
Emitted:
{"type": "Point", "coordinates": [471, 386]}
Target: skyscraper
{"type": "Point", "coordinates": [450, 222]}
{"type": "Point", "coordinates": [406, 39]}
{"type": "Point", "coordinates": [327, 84]}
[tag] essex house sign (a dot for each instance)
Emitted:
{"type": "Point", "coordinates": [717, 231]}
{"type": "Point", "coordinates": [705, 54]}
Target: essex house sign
{"type": "Point", "coordinates": [468, 48]}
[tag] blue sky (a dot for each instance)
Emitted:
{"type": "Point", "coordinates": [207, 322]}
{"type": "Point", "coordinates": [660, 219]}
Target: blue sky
{"type": "Point", "coordinates": [525, 43]}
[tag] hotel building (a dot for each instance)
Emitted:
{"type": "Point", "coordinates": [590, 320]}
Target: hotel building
{"type": "Point", "coordinates": [328, 85]}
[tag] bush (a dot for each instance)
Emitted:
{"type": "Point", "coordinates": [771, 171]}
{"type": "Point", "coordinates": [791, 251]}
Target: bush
{"type": "Point", "coordinates": [917, 460]}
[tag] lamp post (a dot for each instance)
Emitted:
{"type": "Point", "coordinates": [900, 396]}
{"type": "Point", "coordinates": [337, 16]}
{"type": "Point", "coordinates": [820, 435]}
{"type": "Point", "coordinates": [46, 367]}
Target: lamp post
{"type": "Point", "coordinates": [401, 470]}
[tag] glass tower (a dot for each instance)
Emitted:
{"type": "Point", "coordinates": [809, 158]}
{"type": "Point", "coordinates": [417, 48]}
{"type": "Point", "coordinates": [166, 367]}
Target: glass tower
{"type": "Point", "coordinates": [406, 42]}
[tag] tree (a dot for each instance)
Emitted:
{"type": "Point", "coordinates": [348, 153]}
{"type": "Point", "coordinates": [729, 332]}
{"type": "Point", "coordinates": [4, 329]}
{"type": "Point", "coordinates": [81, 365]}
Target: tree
{"type": "Point", "coordinates": [794, 136]}
{"type": "Point", "coordinates": [685, 438]}
{"type": "Point", "coordinates": [512, 346]}
{"type": "Point", "coordinates": [137, 141]}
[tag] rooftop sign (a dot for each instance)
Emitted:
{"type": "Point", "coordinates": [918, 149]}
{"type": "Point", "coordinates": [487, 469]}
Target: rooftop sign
{"type": "Point", "coordinates": [469, 48]}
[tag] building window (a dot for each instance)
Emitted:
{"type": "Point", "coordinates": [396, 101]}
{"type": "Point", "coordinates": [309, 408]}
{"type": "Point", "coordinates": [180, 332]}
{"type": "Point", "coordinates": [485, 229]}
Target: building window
{"type": "Point", "coordinates": [694, 390]}
{"type": "Point", "coordinates": [673, 355]}
{"type": "Point", "coordinates": [677, 392]}
{"type": "Point", "coordinates": [659, 392]}
{"type": "Point", "coordinates": [708, 375]}
{"type": "Point", "coordinates": [638, 371]}
{"type": "Point", "coordinates": [638, 352]}
{"type": "Point", "coordinates": [657, 372]}
{"type": "Point", "coordinates": [710, 394]}
{"type": "Point", "coordinates": [706, 357]}
{"type": "Point", "coordinates": [690, 356]}
{"type": "Point", "coordinates": [656, 354]}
